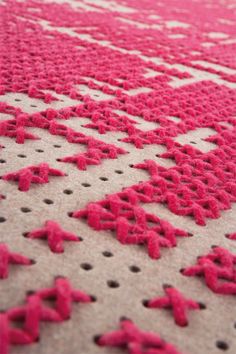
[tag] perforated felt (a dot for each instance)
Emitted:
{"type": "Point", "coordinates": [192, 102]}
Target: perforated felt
{"type": "Point", "coordinates": [117, 130]}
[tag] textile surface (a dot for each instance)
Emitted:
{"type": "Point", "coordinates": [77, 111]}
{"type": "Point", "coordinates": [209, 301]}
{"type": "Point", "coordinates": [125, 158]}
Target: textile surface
{"type": "Point", "coordinates": [117, 189]}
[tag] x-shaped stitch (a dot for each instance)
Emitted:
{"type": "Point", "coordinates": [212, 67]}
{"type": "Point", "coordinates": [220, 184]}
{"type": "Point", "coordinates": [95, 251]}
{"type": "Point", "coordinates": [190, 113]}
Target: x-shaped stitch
{"type": "Point", "coordinates": [11, 129]}
{"type": "Point", "coordinates": [175, 301]}
{"type": "Point", "coordinates": [32, 174]}
{"type": "Point", "coordinates": [93, 156]}
{"type": "Point", "coordinates": [136, 341]}
{"type": "Point", "coordinates": [54, 234]}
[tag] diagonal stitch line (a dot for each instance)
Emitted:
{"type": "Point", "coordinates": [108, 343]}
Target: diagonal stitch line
{"type": "Point", "coordinates": [7, 257]}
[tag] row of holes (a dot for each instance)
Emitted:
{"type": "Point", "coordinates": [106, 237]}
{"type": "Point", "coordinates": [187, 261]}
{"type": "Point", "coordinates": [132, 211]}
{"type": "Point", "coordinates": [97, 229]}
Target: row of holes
{"type": "Point", "coordinates": [39, 150]}
{"type": "Point", "coordinates": [222, 345]}
{"type": "Point", "coordinates": [66, 191]}
{"type": "Point", "coordinates": [111, 283]}
{"type": "Point", "coordinates": [32, 105]}
{"type": "Point", "coordinates": [24, 156]}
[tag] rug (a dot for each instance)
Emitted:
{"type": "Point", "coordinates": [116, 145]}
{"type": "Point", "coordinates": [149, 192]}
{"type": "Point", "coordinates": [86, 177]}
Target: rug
{"type": "Point", "coordinates": [117, 189]}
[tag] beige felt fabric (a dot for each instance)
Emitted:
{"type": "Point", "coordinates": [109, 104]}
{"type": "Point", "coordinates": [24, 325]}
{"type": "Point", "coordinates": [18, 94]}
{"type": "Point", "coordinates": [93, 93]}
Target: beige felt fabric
{"type": "Point", "coordinates": [205, 327]}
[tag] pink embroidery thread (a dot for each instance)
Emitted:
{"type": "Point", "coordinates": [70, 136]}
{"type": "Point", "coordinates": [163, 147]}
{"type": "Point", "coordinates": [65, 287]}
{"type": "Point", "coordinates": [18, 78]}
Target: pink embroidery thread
{"type": "Point", "coordinates": [32, 174]}
{"type": "Point", "coordinates": [54, 235]}
{"type": "Point", "coordinates": [15, 128]}
{"type": "Point", "coordinates": [7, 257]}
{"type": "Point", "coordinates": [122, 214]}
{"type": "Point", "coordinates": [135, 341]}
{"type": "Point", "coordinates": [231, 236]}
{"type": "Point", "coordinates": [35, 310]}
{"type": "Point", "coordinates": [176, 301]}
{"type": "Point", "coordinates": [218, 269]}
